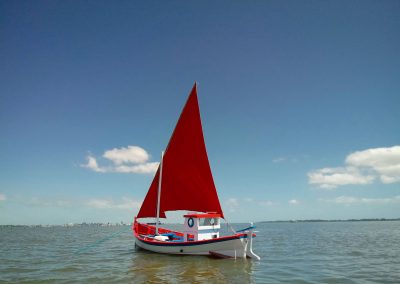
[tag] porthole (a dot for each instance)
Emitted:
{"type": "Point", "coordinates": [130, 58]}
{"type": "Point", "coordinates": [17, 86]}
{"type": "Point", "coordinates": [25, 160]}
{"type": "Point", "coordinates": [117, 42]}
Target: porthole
{"type": "Point", "coordinates": [190, 222]}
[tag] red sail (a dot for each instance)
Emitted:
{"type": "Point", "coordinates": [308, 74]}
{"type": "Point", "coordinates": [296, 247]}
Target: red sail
{"type": "Point", "coordinates": [187, 182]}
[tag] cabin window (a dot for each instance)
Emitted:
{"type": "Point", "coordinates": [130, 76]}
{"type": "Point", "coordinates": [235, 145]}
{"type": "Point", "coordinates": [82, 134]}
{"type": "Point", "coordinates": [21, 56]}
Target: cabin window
{"type": "Point", "coordinates": [209, 221]}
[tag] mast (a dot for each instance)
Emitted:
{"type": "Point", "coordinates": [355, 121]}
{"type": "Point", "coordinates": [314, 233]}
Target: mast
{"type": "Point", "coordinates": [159, 193]}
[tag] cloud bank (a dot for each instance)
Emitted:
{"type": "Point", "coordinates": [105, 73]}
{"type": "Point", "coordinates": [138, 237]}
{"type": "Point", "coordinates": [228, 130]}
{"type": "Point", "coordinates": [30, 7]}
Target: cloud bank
{"type": "Point", "coordinates": [124, 204]}
{"type": "Point", "coordinates": [361, 167]}
{"type": "Point", "coordinates": [131, 159]}
{"type": "Point", "coordinates": [384, 161]}
{"type": "Point", "coordinates": [294, 202]}
{"type": "Point", "coordinates": [231, 204]}
{"type": "Point", "coordinates": [130, 154]}
{"type": "Point", "coordinates": [350, 200]}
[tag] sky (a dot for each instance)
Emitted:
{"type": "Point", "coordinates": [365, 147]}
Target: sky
{"type": "Point", "coordinates": [300, 103]}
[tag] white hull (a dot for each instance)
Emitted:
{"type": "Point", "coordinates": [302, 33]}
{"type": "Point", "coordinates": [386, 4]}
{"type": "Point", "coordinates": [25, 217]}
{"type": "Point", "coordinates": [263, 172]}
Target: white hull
{"type": "Point", "coordinates": [232, 247]}
{"type": "Point", "coordinates": [229, 248]}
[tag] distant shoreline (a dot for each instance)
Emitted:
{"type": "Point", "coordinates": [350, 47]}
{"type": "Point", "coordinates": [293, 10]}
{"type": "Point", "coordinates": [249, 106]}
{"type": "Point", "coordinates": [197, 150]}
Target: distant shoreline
{"type": "Point", "coordinates": [84, 224]}
{"type": "Point", "coordinates": [335, 220]}
{"type": "Point", "coordinates": [109, 224]}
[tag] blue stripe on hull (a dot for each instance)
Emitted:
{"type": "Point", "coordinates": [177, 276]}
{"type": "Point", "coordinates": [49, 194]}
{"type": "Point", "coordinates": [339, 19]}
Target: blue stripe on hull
{"type": "Point", "coordinates": [198, 243]}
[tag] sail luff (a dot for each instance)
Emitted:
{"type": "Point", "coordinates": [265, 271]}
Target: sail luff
{"type": "Point", "coordinates": [193, 91]}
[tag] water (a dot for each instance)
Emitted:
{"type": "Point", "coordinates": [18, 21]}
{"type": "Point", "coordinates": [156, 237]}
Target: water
{"type": "Point", "coordinates": [342, 252]}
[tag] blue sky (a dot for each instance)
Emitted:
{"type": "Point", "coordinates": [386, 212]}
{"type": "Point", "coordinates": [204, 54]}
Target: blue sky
{"type": "Point", "coordinates": [300, 104]}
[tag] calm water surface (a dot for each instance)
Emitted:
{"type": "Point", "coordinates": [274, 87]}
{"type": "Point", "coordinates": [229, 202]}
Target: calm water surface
{"type": "Point", "coordinates": [342, 252]}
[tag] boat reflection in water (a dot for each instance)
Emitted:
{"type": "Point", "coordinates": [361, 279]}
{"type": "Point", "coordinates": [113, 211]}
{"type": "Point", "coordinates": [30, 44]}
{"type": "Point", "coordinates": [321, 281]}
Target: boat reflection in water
{"type": "Point", "coordinates": [149, 267]}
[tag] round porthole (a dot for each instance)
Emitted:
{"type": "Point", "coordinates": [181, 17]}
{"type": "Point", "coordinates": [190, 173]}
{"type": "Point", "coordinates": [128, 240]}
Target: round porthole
{"type": "Point", "coordinates": [190, 222]}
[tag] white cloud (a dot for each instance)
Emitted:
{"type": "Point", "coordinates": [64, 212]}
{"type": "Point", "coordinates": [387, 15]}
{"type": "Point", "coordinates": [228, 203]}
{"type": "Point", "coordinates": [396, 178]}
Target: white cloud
{"type": "Point", "coordinates": [349, 200]}
{"type": "Point", "coordinates": [362, 167]}
{"type": "Point", "coordinates": [45, 201]}
{"type": "Point", "coordinates": [146, 168]}
{"type": "Point", "coordinates": [279, 160]}
{"type": "Point", "coordinates": [123, 204]}
{"type": "Point", "coordinates": [231, 204]}
{"type": "Point", "coordinates": [329, 178]}
{"type": "Point", "coordinates": [384, 161]}
{"type": "Point", "coordinates": [286, 159]}
{"type": "Point", "coordinates": [294, 202]}
{"type": "Point", "coordinates": [100, 203]}
{"type": "Point", "coordinates": [92, 164]}
{"type": "Point", "coordinates": [130, 154]}
{"type": "Point", "coordinates": [131, 159]}
{"type": "Point", "coordinates": [3, 197]}
{"type": "Point", "coordinates": [266, 203]}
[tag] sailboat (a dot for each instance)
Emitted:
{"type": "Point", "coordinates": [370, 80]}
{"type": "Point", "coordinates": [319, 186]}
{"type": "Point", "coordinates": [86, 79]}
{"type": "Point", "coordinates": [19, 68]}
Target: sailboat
{"type": "Point", "coordinates": [184, 181]}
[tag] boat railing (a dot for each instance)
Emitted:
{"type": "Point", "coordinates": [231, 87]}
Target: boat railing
{"type": "Point", "coordinates": [246, 229]}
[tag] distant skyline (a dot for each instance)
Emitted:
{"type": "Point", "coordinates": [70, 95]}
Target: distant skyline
{"type": "Point", "coordinates": [299, 101]}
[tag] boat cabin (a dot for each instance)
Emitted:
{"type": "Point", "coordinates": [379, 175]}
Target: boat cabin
{"type": "Point", "coordinates": [203, 226]}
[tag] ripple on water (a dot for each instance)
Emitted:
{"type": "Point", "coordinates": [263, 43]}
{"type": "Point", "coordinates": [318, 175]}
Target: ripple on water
{"type": "Point", "coordinates": [353, 252]}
